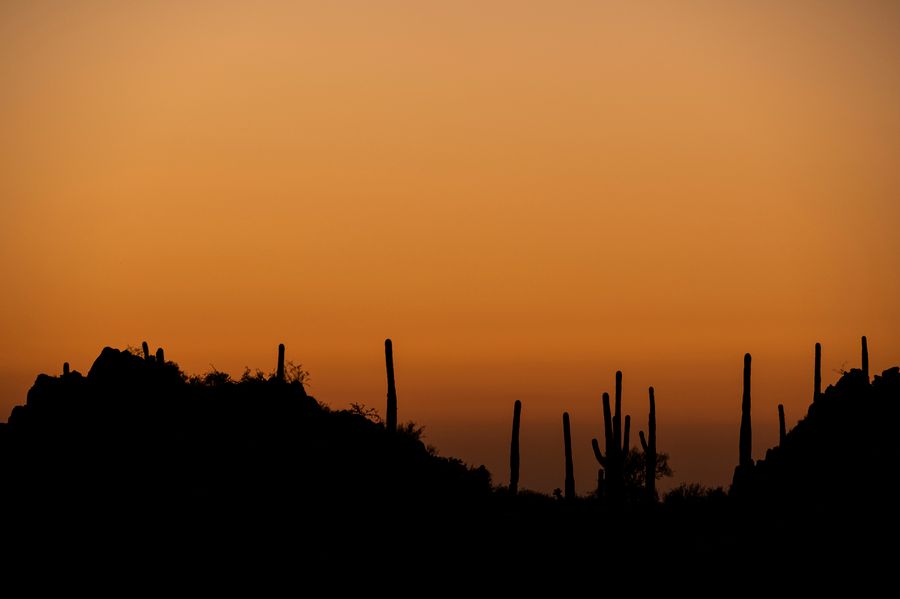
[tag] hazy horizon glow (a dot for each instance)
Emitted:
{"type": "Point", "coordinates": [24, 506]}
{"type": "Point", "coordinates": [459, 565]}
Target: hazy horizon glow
{"type": "Point", "coordinates": [524, 196]}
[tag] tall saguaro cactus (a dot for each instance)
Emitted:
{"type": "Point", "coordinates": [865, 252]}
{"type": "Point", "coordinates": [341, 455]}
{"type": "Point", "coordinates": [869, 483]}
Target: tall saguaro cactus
{"type": "Point", "coordinates": [744, 472]}
{"type": "Point", "coordinates": [514, 450]}
{"type": "Point", "coordinates": [817, 376]}
{"type": "Point", "coordinates": [160, 356]}
{"type": "Point", "coordinates": [746, 440]}
{"type": "Point", "coordinates": [613, 462]}
{"type": "Point", "coordinates": [146, 349]}
{"type": "Point", "coordinates": [65, 369]}
{"type": "Point", "coordinates": [617, 418]}
{"type": "Point", "coordinates": [649, 446]}
{"type": "Point", "coordinates": [865, 357]}
{"type": "Point", "coordinates": [570, 469]}
{"type": "Point", "coordinates": [391, 419]}
{"type": "Point", "coordinates": [782, 431]}
{"type": "Point", "coordinates": [279, 371]}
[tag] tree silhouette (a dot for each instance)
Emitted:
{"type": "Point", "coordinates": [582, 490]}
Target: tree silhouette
{"type": "Point", "coordinates": [635, 472]}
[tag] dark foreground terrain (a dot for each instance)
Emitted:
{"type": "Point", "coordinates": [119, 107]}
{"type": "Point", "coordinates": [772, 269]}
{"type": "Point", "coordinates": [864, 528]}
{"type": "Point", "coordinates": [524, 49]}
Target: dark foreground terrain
{"type": "Point", "coordinates": [136, 457]}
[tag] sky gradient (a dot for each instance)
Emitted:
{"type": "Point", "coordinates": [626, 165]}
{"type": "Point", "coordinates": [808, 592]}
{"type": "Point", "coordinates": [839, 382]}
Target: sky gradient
{"type": "Point", "coordinates": [525, 196]}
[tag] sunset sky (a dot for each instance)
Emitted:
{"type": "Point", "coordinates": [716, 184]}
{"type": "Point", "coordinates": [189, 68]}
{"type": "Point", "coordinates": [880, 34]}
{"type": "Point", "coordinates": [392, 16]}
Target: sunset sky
{"type": "Point", "coordinates": [525, 196]}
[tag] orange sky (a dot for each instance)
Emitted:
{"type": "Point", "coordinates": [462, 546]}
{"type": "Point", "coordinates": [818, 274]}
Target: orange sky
{"type": "Point", "coordinates": [525, 196]}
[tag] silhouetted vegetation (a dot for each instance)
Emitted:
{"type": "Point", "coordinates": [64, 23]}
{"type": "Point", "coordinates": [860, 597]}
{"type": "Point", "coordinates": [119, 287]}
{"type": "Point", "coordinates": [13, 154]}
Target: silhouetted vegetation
{"type": "Point", "coordinates": [844, 451]}
{"type": "Point", "coordinates": [839, 454]}
{"type": "Point", "coordinates": [636, 474]}
{"type": "Point", "coordinates": [138, 432]}
{"type": "Point", "coordinates": [138, 443]}
{"type": "Point", "coordinates": [611, 479]}
{"type": "Point", "coordinates": [694, 494]}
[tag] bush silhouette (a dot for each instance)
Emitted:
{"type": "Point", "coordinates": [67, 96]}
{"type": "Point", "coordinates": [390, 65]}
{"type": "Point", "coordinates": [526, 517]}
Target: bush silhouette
{"type": "Point", "coordinates": [635, 472]}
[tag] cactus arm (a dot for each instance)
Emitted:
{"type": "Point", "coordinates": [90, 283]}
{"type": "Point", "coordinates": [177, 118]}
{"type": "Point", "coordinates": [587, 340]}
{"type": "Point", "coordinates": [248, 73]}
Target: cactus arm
{"type": "Point", "coordinates": [600, 457]}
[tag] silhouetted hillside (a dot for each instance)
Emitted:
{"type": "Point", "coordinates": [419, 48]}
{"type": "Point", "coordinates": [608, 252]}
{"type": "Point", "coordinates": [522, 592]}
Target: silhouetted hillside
{"type": "Point", "coordinates": [137, 437]}
{"type": "Point", "coordinates": [137, 450]}
{"type": "Point", "coordinates": [845, 451]}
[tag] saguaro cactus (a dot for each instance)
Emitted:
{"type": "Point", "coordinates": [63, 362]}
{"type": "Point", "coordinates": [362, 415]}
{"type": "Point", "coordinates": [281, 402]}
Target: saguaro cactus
{"type": "Point", "coordinates": [146, 349]}
{"type": "Point", "coordinates": [613, 462]}
{"type": "Point", "coordinates": [782, 431]}
{"type": "Point", "coordinates": [817, 376]}
{"type": "Point", "coordinates": [865, 357]}
{"type": "Point", "coordinates": [279, 371]}
{"type": "Point", "coordinates": [746, 440]}
{"type": "Point", "coordinates": [65, 369]}
{"type": "Point", "coordinates": [160, 356]}
{"type": "Point", "coordinates": [743, 472]}
{"type": "Point", "coordinates": [391, 419]}
{"type": "Point", "coordinates": [649, 446]}
{"type": "Point", "coordinates": [570, 470]}
{"type": "Point", "coordinates": [617, 419]}
{"type": "Point", "coordinates": [514, 450]}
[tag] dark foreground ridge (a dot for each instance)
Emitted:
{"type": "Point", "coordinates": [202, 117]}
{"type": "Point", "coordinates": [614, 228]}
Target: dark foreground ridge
{"type": "Point", "coordinates": [137, 432]}
{"type": "Point", "coordinates": [845, 452]}
{"type": "Point", "coordinates": [137, 450]}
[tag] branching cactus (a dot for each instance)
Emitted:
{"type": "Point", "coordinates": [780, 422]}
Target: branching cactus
{"type": "Point", "coordinates": [613, 461]}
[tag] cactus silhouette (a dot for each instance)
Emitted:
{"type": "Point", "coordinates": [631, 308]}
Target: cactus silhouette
{"type": "Point", "coordinates": [613, 462]}
{"type": "Point", "coordinates": [746, 440]}
{"type": "Point", "coordinates": [514, 450]}
{"type": "Point", "coordinates": [865, 357]}
{"type": "Point", "coordinates": [744, 471]}
{"type": "Point", "coordinates": [570, 469]}
{"type": "Point", "coordinates": [617, 418]}
{"type": "Point", "coordinates": [817, 376]}
{"type": "Point", "coordinates": [65, 369]}
{"type": "Point", "coordinates": [782, 432]}
{"type": "Point", "coordinates": [160, 356]}
{"type": "Point", "coordinates": [146, 349]}
{"type": "Point", "coordinates": [279, 372]}
{"type": "Point", "coordinates": [649, 446]}
{"type": "Point", "coordinates": [391, 419]}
